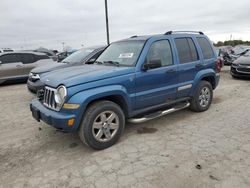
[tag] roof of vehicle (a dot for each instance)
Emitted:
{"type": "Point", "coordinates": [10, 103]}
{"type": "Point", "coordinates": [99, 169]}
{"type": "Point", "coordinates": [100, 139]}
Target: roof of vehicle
{"type": "Point", "coordinates": [146, 37]}
{"type": "Point", "coordinates": [23, 52]}
{"type": "Point", "coordinates": [95, 47]}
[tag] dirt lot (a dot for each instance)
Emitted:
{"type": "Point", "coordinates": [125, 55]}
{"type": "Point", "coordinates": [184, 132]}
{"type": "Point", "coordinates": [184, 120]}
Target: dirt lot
{"type": "Point", "coordinates": [183, 149]}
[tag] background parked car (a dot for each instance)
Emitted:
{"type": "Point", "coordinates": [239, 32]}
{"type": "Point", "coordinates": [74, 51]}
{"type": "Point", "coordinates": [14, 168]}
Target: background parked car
{"type": "Point", "coordinates": [231, 54]}
{"type": "Point", "coordinates": [49, 53]}
{"type": "Point", "coordinates": [17, 65]}
{"type": "Point", "coordinates": [85, 55]}
{"type": "Point", "coordinates": [241, 67]}
{"type": "Point", "coordinates": [61, 56]}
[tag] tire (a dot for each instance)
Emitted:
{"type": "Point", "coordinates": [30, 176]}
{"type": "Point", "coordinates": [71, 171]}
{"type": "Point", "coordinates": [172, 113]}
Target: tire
{"type": "Point", "coordinates": [202, 98]}
{"type": "Point", "coordinates": [102, 125]}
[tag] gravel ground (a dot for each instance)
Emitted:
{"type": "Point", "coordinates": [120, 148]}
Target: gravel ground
{"type": "Point", "coordinates": [183, 149]}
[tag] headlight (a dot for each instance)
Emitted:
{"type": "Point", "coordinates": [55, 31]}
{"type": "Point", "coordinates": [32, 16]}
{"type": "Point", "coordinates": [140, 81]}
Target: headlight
{"type": "Point", "coordinates": [60, 95]}
{"type": "Point", "coordinates": [34, 76]}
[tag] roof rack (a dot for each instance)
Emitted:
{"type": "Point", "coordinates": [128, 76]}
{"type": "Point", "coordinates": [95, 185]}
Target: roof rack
{"type": "Point", "coordinates": [171, 32]}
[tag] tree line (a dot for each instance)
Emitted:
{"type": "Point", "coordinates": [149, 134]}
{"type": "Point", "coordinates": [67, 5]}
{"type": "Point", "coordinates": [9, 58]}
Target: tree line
{"type": "Point", "coordinates": [232, 43]}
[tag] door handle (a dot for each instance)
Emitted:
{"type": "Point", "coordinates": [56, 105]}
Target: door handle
{"type": "Point", "coordinates": [170, 71]}
{"type": "Point", "coordinates": [199, 66]}
{"type": "Point", "coordinates": [19, 66]}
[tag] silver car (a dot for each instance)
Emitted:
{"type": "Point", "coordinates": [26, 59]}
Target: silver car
{"type": "Point", "coordinates": [17, 65]}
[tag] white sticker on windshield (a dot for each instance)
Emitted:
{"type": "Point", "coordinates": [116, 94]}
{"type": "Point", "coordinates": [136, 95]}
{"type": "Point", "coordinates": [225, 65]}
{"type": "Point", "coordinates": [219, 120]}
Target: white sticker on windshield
{"type": "Point", "coordinates": [126, 55]}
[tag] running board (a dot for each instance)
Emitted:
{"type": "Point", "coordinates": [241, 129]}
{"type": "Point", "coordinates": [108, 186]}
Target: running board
{"type": "Point", "coordinates": [159, 113]}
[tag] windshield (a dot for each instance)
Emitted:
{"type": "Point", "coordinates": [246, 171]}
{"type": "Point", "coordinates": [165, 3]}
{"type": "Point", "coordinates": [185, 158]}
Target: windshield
{"type": "Point", "coordinates": [78, 56]}
{"type": "Point", "coordinates": [122, 53]}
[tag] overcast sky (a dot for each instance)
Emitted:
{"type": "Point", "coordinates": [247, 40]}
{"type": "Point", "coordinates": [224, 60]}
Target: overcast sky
{"type": "Point", "coordinates": [33, 23]}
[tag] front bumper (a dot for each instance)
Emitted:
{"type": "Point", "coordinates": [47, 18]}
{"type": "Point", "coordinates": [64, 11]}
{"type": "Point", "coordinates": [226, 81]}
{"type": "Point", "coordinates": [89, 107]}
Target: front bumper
{"type": "Point", "coordinates": [59, 120]}
{"type": "Point", "coordinates": [35, 86]}
{"type": "Point", "coordinates": [234, 72]}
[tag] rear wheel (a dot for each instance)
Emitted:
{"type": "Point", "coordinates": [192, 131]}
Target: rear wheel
{"type": "Point", "coordinates": [203, 97]}
{"type": "Point", "coordinates": [102, 125]}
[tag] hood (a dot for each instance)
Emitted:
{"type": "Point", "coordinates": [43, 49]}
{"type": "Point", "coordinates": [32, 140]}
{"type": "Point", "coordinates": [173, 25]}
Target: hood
{"type": "Point", "coordinates": [76, 75]}
{"type": "Point", "coordinates": [49, 67]}
{"type": "Point", "coordinates": [243, 60]}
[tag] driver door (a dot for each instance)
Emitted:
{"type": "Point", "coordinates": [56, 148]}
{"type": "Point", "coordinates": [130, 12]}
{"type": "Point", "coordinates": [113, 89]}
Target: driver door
{"type": "Point", "coordinates": [157, 86]}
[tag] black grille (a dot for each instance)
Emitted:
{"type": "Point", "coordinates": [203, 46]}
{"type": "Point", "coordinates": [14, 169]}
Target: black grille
{"type": "Point", "coordinates": [244, 70]}
{"type": "Point", "coordinates": [49, 98]}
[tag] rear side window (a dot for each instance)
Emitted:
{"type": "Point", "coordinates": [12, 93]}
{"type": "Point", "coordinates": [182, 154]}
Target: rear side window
{"type": "Point", "coordinates": [161, 50]}
{"type": "Point", "coordinates": [27, 58]}
{"type": "Point", "coordinates": [187, 51]}
{"type": "Point", "coordinates": [205, 48]}
{"type": "Point", "coordinates": [10, 58]}
{"type": "Point", "coordinates": [39, 57]}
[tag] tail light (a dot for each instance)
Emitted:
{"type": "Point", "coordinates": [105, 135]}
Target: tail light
{"type": "Point", "coordinates": [218, 65]}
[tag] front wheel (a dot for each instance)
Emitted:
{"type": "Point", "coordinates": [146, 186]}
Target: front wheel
{"type": "Point", "coordinates": [102, 125]}
{"type": "Point", "coordinates": [203, 97]}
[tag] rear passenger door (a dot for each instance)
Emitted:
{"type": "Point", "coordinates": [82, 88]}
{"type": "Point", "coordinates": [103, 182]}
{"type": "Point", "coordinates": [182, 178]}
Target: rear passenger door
{"type": "Point", "coordinates": [157, 86]}
{"type": "Point", "coordinates": [11, 66]}
{"type": "Point", "coordinates": [28, 61]}
{"type": "Point", "coordinates": [189, 64]}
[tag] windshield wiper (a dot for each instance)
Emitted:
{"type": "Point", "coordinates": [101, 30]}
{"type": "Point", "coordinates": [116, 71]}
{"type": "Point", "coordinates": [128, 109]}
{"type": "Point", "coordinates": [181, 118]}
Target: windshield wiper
{"type": "Point", "coordinates": [113, 63]}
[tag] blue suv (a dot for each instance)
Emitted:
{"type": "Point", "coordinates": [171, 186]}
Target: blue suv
{"type": "Point", "coordinates": [134, 80]}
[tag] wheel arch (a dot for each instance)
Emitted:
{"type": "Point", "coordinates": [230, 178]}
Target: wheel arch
{"type": "Point", "coordinates": [117, 99]}
{"type": "Point", "coordinates": [205, 75]}
{"type": "Point", "coordinates": [115, 93]}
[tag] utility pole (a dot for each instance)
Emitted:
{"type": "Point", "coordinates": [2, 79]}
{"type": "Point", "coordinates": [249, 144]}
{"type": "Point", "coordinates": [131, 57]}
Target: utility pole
{"type": "Point", "coordinates": [107, 21]}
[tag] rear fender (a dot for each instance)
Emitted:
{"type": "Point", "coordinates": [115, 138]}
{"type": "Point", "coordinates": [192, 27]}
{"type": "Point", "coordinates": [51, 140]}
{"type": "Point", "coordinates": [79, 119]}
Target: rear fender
{"type": "Point", "coordinates": [199, 76]}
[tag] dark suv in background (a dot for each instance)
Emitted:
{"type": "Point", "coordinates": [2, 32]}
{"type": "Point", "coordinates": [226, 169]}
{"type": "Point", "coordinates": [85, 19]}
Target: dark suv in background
{"type": "Point", "coordinates": [17, 65]}
{"type": "Point", "coordinates": [80, 57]}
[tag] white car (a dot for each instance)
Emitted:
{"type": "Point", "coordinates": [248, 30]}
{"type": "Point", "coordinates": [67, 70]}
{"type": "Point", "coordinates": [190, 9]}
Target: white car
{"type": "Point", "coordinates": [17, 65]}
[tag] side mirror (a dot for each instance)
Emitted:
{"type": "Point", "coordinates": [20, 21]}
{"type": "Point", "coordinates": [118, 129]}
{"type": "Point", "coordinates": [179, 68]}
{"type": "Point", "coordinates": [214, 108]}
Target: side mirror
{"type": "Point", "coordinates": [152, 64]}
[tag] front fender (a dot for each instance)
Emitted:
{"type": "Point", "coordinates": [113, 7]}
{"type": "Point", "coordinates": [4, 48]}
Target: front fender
{"type": "Point", "coordinates": [199, 76]}
{"type": "Point", "coordinates": [85, 97]}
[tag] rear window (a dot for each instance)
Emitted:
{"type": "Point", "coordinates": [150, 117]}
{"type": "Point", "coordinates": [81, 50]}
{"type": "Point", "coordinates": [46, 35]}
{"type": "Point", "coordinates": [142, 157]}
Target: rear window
{"type": "Point", "coordinates": [205, 48]}
{"type": "Point", "coordinates": [187, 51]}
{"type": "Point", "coordinates": [39, 57]}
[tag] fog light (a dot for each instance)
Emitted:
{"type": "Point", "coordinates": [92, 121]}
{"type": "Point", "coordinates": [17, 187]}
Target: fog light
{"type": "Point", "coordinates": [71, 122]}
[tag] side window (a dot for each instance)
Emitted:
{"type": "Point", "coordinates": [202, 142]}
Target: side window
{"type": "Point", "coordinates": [39, 57]}
{"type": "Point", "coordinates": [193, 50]}
{"type": "Point", "coordinates": [161, 50]}
{"type": "Point", "coordinates": [9, 58]}
{"type": "Point", "coordinates": [186, 49]}
{"type": "Point", "coordinates": [205, 48]}
{"type": "Point", "coordinates": [27, 58]}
